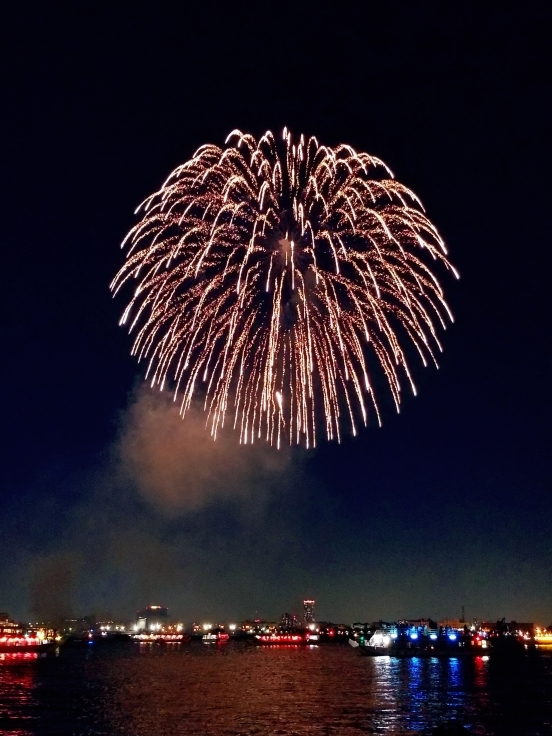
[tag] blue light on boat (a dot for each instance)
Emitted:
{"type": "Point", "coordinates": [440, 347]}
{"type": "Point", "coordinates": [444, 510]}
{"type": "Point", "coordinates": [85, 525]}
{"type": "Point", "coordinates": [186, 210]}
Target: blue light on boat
{"type": "Point", "coordinates": [433, 636]}
{"type": "Point", "coordinates": [414, 635]}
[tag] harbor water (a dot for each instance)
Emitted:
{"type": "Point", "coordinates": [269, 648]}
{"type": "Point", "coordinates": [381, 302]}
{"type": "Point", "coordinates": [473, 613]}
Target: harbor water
{"type": "Point", "coordinates": [132, 689]}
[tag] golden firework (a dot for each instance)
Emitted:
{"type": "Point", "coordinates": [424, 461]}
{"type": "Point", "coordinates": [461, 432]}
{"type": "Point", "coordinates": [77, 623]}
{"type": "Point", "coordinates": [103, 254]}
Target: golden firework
{"type": "Point", "coordinates": [273, 277]}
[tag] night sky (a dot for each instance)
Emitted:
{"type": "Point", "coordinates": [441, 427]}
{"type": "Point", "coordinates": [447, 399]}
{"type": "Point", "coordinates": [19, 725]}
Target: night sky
{"type": "Point", "coordinates": [109, 502]}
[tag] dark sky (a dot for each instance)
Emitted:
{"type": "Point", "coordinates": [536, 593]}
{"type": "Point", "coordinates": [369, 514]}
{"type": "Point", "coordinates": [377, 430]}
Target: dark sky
{"type": "Point", "coordinates": [107, 502]}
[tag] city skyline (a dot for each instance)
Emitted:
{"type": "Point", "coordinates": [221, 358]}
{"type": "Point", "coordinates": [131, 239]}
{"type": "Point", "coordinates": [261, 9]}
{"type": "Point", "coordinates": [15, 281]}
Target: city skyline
{"type": "Point", "coordinates": [155, 616]}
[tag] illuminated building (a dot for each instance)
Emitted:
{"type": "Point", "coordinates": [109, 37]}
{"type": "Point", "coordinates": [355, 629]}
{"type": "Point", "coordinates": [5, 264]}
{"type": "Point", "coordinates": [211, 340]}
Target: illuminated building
{"type": "Point", "coordinates": [112, 627]}
{"type": "Point", "coordinates": [509, 628]}
{"type": "Point", "coordinates": [78, 626]}
{"type": "Point", "coordinates": [452, 623]}
{"type": "Point", "coordinates": [289, 621]}
{"type": "Point", "coordinates": [152, 618]}
{"type": "Point", "coordinates": [308, 611]}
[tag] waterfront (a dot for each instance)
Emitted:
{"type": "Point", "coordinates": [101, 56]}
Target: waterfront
{"type": "Point", "coordinates": [145, 689]}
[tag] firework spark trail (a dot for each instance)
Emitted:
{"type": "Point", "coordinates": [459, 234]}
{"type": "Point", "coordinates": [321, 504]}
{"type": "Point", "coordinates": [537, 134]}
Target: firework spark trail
{"type": "Point", "coordinates": [276, 277]}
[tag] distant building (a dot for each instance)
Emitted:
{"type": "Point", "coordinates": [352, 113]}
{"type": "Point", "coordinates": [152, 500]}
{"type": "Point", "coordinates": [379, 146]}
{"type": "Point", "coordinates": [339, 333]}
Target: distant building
{"type": "Point", "coordinates": [152, 618]}
{"type": "Point", "coordinates": [308, 611]}
{"type": "Point", "coordinates": [78, 625]}
{"type": "Point", "coordinates": [286, 620]}
{"type": "Point", "coordinates": [509, 627]}
{"type": "Point", "coordinates": [452, 623]}
{"type": "Point", "coordinates": [419, 623]}
{"type": "Point", "coordinates": [257, 626]}
{"type": "Point", "coordinates": [113, 625]}
{"type": "Point", "coordinates": [289, 621]}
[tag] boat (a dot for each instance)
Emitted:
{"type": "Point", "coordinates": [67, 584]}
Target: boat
{"type": "Point", "coordinates": [294, 638]}
{"type": "Point", "coordinates": [217, 636]}
{"type": "Point", "coordinates": [410, 641]}
{"type": "Point", "coordinates": [406, 640]}
{"type": "Point", "coordinates": [111, 636]}
{"type": "Point", "coordinates": [19, 638]}
{"type": "Point", "coordinates": [162, 638]}
{"type": "Point", "coordinates": [409, 653]}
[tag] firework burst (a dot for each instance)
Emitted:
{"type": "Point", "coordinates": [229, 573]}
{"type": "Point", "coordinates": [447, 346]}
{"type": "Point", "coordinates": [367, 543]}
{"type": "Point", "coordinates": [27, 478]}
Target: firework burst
{"type": "Point", "coordinates": [275, 277]}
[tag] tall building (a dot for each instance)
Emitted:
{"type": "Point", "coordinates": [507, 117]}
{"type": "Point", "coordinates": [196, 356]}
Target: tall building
{"type": "Point", "coordinates": [152, 618]}
{"type": "Point", "coordinates": [308, 611]}
{"type": "Point", "coordinates": [286, 620]}
{"type": "Point", "coordinates": [290, 621]}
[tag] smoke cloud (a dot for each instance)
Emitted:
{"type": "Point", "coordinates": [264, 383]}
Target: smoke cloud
{"type": "Point", "coordinates": [52, 579]}
{"type": "Point", "coordinates": [176, 465]}
{"type": "Point", "coordinates": [220, 531]}
{"type": "Point", "coordinates": [168, 515]}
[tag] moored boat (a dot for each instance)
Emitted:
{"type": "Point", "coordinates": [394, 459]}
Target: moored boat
{"type": "Point", "coordinates": [216, 636]}
{"type": "Point", "coordinates": [404, 640]}
{"type": "Point", "coordinates": [295, 638]}
{"type": "Point", "coordinates": [162, 638]}
{"type": "Point", "coordinates": [16, 637]}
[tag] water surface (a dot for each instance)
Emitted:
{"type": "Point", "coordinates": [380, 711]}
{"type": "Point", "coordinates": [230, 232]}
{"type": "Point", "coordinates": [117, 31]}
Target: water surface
{"type": "Point", "coordinates": [135, 689]}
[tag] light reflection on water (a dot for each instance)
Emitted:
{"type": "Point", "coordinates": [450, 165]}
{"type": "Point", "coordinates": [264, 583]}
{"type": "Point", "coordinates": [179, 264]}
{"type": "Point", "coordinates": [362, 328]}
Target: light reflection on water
{"type": "Point", "coordinates": [236, 690]}
{"type": "Point", "coordinates": [16, 692]}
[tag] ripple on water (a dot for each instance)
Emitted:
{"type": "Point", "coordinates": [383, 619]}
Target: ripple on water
{"type": "Point", "coordinates": [236, 690]}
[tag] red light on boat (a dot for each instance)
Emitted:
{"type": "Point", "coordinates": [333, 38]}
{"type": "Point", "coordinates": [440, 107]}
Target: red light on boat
{"type": "Point", "coordinates": [280, 638]}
